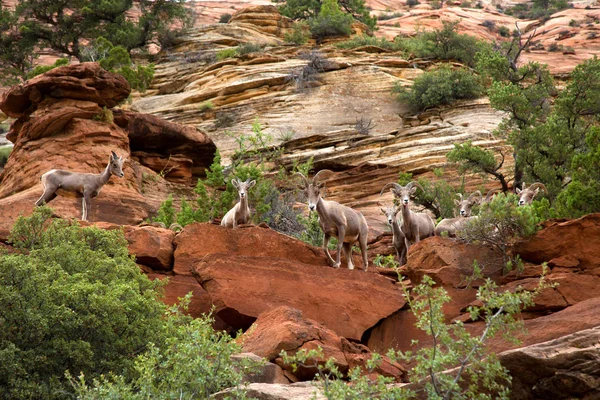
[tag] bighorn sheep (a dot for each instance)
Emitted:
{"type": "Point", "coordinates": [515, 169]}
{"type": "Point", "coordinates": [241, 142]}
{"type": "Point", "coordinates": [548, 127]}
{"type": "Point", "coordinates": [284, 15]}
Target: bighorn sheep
{"type": "Point", "coordinates": [335, 219]}
{"type": "Point", "coordinates": [527, 194]}
{"type": "Point", "coordinates": [240, 213]}
{"type": "Point", "coordinates": [415, 226]}
{"type": "Point", "coordinates": [451, 225]}
{"type": "Point", "coordinates": [398, 238]}
{"type": "Point", "coordinates": [75, 184]}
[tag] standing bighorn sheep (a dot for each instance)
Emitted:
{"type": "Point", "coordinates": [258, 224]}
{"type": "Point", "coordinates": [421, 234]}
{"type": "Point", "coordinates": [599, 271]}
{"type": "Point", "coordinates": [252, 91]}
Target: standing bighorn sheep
{"type": "Point", "coordinates": [240, 213]}
{"type": "Point", "coordinates": [398, 235]}
{"type": "Point", "coordinates": [75, 184]}
{"type": "Point", "coordinates": [415, 226]}
{"type": "Point", "coordinates": [451, 225]}
{"type": "Point", "coordinates": [335, 219]}
{"type": "Point", "coordinates": [527, 194]}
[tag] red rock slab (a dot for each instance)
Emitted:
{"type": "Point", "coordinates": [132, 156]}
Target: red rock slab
{"type": "Point", "coordinates": [573, 243]}
{"type": "Point", "coordinates": [199, 240]}
{"type": "Point", "coordinates": [86, 81]}
{"type": "Point", "coordinates": [347, 302]}
{"type": "Point", "coordinates": [151, 246]}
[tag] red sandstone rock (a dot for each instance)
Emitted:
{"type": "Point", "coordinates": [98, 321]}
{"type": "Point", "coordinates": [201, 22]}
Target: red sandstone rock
{"type": "Point", "coordinates": [573, 243]}
{"type": "Point", "coordinates": [285, 329]}
{"type": "Point", "coordinates": [85, 81]}
{"type": "Point", "coordinates": [151, 246]}
{"type": "Point", "coordinates": [165, 146]}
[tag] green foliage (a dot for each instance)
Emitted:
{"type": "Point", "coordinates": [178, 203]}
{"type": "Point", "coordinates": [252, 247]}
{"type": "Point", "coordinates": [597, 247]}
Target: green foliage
{"type": "Point", "coordinates": [538, 9]}
{"type": "Point", "coordinates": [74, 300]}
{"type": "Point", "coordinates": [4, 154]}
{"type": "Point", "coordinates": [444, 44]}
{"type": "Point", "coordinates": [194, 362]}
{"type": "Point", "coordinates": [499, 225]}
{"type": "Point", "coordinates": [478, 160]}
{"type": "Point", "coordinates": [330, 21]}
{"type": "Point", "coordinates": [437, 196]}
{"type": "Point", "coordinates": [106, 115]}
{"type": "Point", "coordinates": [17, 51]}
{"type": "Point", "coordinates": [166, 212]}
{"type": "Point", "coordinates": [207, 105]}
{"type": "Point", "coordinates": [477, 373]}
{"type": "Point", "coordinates": [300, 33]}
{"type": "Point", "coordinates": [388, 261]}
{"type": "Point", "coordinates": [224, 18]}
{"type": "Point", "coordinates": [311, 9]}
{"type": "Point", "coordinates": [364, 40]}
{"type": "Point", "coordinates": [227, 53]}
{"type": "Point", "coordinates": [440, 86]}
{"type": "Point", "coordinates": [40, 69]}
{"type": "Point", "coordinates": [248, 48]}
{"type": "Point", "coordinates": [313, 234]}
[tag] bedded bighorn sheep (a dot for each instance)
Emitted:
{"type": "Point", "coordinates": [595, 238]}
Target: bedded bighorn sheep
{"type": "Point", "coordinates": [465, 206]}
{"type": "Point", "coordinates": [415, 226]}
{"type": "Point", "coordinates": [240, 213]}
{"type": "Point", "coordinates": [347, 225]}
{"type": "Point", "coordinates": [398, 236]}
{"type": "Point", "coordinates": [527, 194]}
{"type": "Point", "coordinates": [75, 184]}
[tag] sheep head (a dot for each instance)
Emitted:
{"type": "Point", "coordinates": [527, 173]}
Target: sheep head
{"type": "Point", "coordinates": [403, 193]}
{"type": "Point", "coordinates": [115, 164]}
{"type": "Point", "coordinates": [313, 188]}
{"type": "Point", "coordinates": [465, 205]}
{"type": "Point", "coordinates": [243, 187]}
{"type": "Point", "coordinates": [527, 194]}
{"type": "Point", "coordinates": [390, 213]}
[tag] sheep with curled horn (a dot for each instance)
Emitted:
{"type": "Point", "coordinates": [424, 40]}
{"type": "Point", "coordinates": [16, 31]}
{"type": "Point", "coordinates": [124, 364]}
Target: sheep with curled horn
{"type": "Point", "coordinates": [527, 194]}
{"type": "Point", "coordinates": [415, 226]}
{"type": "Point", "coordinates": [451, 225]}
{"type": "Point", "coordinates": [347, 225]}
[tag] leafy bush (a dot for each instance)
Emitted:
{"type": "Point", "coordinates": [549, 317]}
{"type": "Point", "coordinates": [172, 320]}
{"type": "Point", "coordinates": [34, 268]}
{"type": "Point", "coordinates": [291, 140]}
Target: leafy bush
{"type": "Point", "coordinates": [248, 48]}
{"type": "Point", "coordinates": [504, 31]}
{"type": "Point", "coordinates": [194, 362]}
{"type": "Point", "coordinates": [310, 9]}
{"type": "Point", "coordinates": [77, 301]}
{"type": "Point", "coordinates": [364, 40]}
{"type": "Point", "coordinates": [226, 53]}
{"type": "Point", "coordinates": [40, 69]}
{"type": "Point", "coordinates": [300, 33]}
{"type": "Point", "coordinates": [4, 153]}
{"type": "Point", "coordinates": [499, 225]}
{"type": "Point", "coordinates": [437, 196]}
{"type": "Point", "coordinates": [440, 86]}
{"type": "Point", "coordinates": [224, 18]}
{"type": "Point", "coordinates": [478, 160]}
{"type": "Point", "coordinates": [444, 44]}
{"type": "Point", "coordinates": [330, 22]}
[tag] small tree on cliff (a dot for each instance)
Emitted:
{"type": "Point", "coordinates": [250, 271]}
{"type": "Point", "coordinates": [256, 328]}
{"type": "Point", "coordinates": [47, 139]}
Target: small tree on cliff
{"type": "Point", "coordinates": [310, 9]}
{"type": "Point", "coordinates": [66, 25]}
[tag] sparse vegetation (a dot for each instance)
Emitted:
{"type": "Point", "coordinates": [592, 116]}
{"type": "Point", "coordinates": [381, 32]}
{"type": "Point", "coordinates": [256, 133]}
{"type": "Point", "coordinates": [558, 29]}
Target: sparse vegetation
{"type": "Point", "coordinates": [4, 153]}
{"type": "Point", "coordinates": [224, 18]}
{"type": "Point", "coordinates": [364, 125]}
{"type": "Point", "coordinates": [386, 16]}
{"type": "Point", "coordinates": [40, 69]}
{"type": "Point", "coordinates": [206, 105]}
{"type": "Point", "coordinates": [226, 53]}
{"type": "Point", "coordinates": [300, 33]}
{"type": "Point", "coordinates": [225, 119]}
{"type": "Point", "coordinates": [504, 31]}
{"type": "Point", "coordinates": [364, 40]}
{"type": "Point", "coordinates": [308, 75]}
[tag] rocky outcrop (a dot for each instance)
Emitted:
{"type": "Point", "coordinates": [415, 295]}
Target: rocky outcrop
{"type": "Point", "coordinates": [265, 391]}
{"type": "Point", "coordinates": [563, 368]}
{"type": "Point", "coordinates": [285, 329]}
{"type": "Point", "coordinates": [64, 121]}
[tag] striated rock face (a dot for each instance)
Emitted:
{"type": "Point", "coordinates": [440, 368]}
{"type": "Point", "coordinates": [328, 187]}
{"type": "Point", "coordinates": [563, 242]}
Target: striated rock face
{"type": "Point", "coordinates": [284, 329]}
{"type": "Point", "coordinates": [250, 270]}
{"type": "Point", "coordinates": [266, 391]}
{"type": "Point", "coordinates": [564, 368]}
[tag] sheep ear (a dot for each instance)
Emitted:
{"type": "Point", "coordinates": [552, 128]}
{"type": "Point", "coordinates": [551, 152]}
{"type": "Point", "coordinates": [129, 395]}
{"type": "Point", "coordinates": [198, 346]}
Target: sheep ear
{"type": "Point", "coordinates": [413, 190]}
{"type": "Point", "coordinates": [518, 190]}
{"type": "Point", "coordinates": [114, 155]}
{"type": "Point", "coordinates": [251, 183]}
{"type": "Point", "coordinates": [234, 182]}
{"type": "Point", "coordinates": [383, 210]}
{"type": "Point", "coordinates": [456, 202]}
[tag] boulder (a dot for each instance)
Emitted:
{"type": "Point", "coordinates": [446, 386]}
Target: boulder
{"type": "Point", "coordinates": [569, 244]}
{"type": "Point", "coordinates": [86, 81]}
{"type": "Point", "coordinates": [563, 368]}
{"type": "Point", "coordinates": [152, 247]}
{"type": "Point", "coordinates": [268, 372]}
{"type": "Point", "coordinates": [285, 329]}
{"type": "Point", "coordinates": [266, 391]}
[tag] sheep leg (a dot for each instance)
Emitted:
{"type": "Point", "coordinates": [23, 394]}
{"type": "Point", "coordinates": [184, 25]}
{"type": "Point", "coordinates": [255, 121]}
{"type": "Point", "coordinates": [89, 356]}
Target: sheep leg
{"type": "Point", "coordinates": [407, 244]}
{"type": "Point", "coordinates": [326, 248]}
{"type": "Point", "coordinates": [362, 241]}
{"type": "Point", "coordinates": [48, 195]}
{"type": "Point", "coordinates": [340, 243]}
{"type": "Point", "coordinates": [85, 204]}
{"type": "Point", "coordinates": [348, 253]}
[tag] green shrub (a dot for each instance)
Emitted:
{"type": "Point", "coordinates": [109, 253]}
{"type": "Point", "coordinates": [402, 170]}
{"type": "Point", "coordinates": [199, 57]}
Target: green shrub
{"type": "Point", "coordinates": [330, 21]}
{"type": "Point", "coordinates": [365, 40]}
{"type": "Point", "coordinates": [205, 106]}
{"type": "Point", "coordinates": [440, 86]}
{"type": "Point", "coordinates": [166, 212]}
{"type": "Point", "coordinates": [437, 196]}
{"type": "Point", "coordinates": [248, 48]}
{"type": "Point", "coordinates": [194, 362]}
{"type": "Point", "coordinates": [40, 69]}
{"type": "Point", "coordinates": [4, 153]}
{"type": "Point", "coordinates": [226, 53]}
{"type": "Point", "coordinates": [300, 34]}
{"type": "Point", "coordinates": [224, 18]}
{"type": "Point", "coordinates": [499, 225]}
{"type": "Point", "coordinates": [504, 31]}
{"type": "Point", "coordinates": [73, 300]}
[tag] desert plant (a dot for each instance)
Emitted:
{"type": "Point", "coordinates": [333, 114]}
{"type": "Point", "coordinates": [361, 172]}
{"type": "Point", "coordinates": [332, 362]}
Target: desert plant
{"type": "Point", "coordinates": [364, 40]}
{"type": "Point", "coordinates": [504, 31]}
{"type": "Point", "coordinates": [248, 48]}
{"type": "Point", "coordinates": [330, 21]}
{"type": "Point", "coordinates": [440, 86]}
{"type": "Point", "coordinates": [226, 53]}
{"type": "Point", "coordinates": [308, 75]}
{"type": "Point", "coordinates": [40, 69]}
{"type": "Point", "coordinates": [225, 119]}
{"type": "Point", "coordinates": [299, 35]}
{"type": "Point", "coordinates": [364, 125]}
{"type": "Point", "coordinates": [224, 18]}
{"type": "Point", "coordinates": [4, 153]}
{"type": "Point", "coordinates": [206, 105]}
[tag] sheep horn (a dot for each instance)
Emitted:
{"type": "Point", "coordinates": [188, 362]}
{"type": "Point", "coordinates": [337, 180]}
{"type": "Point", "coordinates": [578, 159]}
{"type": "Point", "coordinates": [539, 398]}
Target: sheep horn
{"type": "Point", "coordinates": [489, 194]}
{"type": "Point", "coordinates": [306, 182]}
{"type": "Point", "coordinates": [538, 185]}
{"type": "Point", "coordinates": [460, 196]}
{"type": "Point", "coordinates": [477, 192]}
{"type": "Point", "coordinates": [394, 184]}
{"type": "Point", "coordinates": [414, 183]}
{"type": "Point", "coordinates": [314, 180]}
